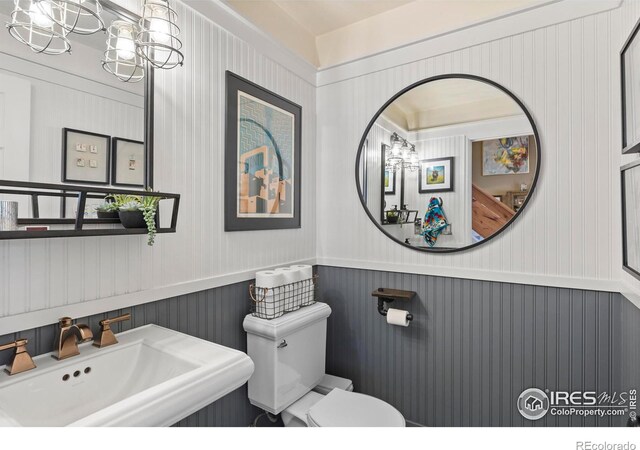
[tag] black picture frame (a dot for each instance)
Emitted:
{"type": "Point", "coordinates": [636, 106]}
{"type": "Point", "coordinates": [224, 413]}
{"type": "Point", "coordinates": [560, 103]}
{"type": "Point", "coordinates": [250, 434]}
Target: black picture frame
{"type": "Point", "coordinates": [634, 145]}
{"type": "Point", "coordinates": [235, 85]}
{"type": "Point", "coordinates": [384, 173]}
{"type": "Point", "coordinates": [627, 267]}
{"type": "Point", "coordinates": [114, 163]}
{"type": "Point", "coordinates": [66, 177]}
{"type": "Point", "coordinates": [452, 171]}
{"type": "Point", "coordinates": [407, 89]}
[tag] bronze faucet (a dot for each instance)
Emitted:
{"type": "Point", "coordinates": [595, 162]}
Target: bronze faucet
{"type": "Point", "coordinates": [69, 335]}
{"type": "Point", "coordinates": [21, 361]}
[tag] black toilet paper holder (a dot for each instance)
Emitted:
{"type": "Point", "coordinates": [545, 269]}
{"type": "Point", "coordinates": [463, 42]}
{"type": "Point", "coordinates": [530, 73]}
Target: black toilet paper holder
{"type": "Point", "coordinates": [386, 295]}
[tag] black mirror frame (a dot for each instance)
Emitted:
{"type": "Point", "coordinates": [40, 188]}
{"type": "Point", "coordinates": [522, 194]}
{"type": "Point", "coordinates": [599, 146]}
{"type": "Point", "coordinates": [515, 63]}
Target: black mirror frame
{"type": "Point", "coordinates": [407, 89]}
{"type": "Point", "coordinates": [148, 94]}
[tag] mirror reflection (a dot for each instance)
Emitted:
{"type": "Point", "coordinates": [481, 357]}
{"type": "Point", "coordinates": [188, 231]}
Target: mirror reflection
{"type": "Point", "coordinates": [448, 164]}
{"type": "Point", "coordinates": [42, 95]}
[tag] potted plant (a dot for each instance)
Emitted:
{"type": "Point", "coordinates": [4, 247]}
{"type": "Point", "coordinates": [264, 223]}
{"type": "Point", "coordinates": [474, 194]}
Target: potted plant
{"type": "Point", "coordinates": [107, 210]}
{"type": "Point", "coordinates": [393, 215]}
{"type": "Point", "coordinates": [131, 215]}
{"type": "Point", "coordinates": [138, 212]}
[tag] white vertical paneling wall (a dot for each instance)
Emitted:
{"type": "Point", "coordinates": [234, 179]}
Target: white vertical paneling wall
{"type": "Point", "coordinates": [55, 276]}
{"type": "Point", "coordinates": [567, 75]}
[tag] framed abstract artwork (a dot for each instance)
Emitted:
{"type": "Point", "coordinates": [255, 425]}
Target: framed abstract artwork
{"type": "Point", "coordinates": [436, 175]}
{"type": "Point", "coordinates": [262, 158]}
{"type": "Point", "coordinates": [630, 90]}
{"type": "Point", "coordinates": [630, 179]}
{"type": "Point", "coordinates": [85, 157]}
{"type": "Point", "coordinates": [505, 156]}
{"type": "Point", "coordinates": [127, 163]}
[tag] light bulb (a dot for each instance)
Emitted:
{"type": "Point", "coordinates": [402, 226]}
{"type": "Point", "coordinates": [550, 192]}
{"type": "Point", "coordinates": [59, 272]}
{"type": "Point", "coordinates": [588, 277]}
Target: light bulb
{"type": "Point", "coordinates": [125, 46]}
{"type": "Point", "coordinates": [413, 158]}
{"type": "Point", "coordinates": [40, 13]}
{"type": "Point", "coordinates": [159, 27]}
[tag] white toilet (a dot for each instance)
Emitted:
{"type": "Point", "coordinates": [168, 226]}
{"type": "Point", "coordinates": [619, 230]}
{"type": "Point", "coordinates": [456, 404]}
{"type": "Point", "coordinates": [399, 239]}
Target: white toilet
{"type": "Point", "coordinates": [289, 377]}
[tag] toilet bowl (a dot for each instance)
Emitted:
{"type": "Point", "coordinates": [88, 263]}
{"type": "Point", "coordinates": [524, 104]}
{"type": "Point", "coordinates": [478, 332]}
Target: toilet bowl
{"type": "Point", "coordinates": [341, 409]}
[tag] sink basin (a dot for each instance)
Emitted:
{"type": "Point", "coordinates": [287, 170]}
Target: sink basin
{"type": "Point", "coordinates": [153, 377]}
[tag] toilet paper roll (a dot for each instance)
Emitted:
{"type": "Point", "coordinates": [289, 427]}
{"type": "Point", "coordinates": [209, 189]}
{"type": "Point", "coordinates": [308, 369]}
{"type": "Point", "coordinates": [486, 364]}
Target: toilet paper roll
{"type": "Point", "coordinates": [289, 275]}
{"type": "Point", "coordinates": [306, 271]}
{"type": "Point", "coordinates": [397, 317]}
{"type": "Point", "coordinates": [305, 291]}
{"type": "Point", "coordinates": [269, 279]}
{"type": "Point", "coordinates": [269, 304]}
{"type": "Point", "coordinates": [291, 294]}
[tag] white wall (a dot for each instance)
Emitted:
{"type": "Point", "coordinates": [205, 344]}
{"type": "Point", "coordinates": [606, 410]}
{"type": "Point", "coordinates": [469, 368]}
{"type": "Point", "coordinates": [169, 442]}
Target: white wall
{"type": "Point", "coordinates": [568, 77]}
{"type": "Point", "coordinates": [78, 276]}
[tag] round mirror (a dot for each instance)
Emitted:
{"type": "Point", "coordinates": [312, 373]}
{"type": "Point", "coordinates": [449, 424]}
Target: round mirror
{"type": "Point", "coordinates": [448, 163]}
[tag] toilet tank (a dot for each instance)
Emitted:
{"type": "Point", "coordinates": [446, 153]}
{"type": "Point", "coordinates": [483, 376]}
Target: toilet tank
{"type": "Point", "coordinates": [289, 355]}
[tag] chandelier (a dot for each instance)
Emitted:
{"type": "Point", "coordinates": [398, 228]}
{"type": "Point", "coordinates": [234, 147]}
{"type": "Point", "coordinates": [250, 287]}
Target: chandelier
{"type": "Point", "coordinates": [401, 154]}
{"type": "Point", "coordinates": [44, 26]}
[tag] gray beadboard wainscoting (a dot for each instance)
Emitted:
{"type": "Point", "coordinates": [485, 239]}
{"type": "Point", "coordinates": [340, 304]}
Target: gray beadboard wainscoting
{"type": "Point", "coordinates": [474, 346]}
{"type": "Point", "coordinates": [215, 315]}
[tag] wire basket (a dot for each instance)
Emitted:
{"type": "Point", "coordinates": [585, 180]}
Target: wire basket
{"type": "Point", "coordinates": [270, 303]}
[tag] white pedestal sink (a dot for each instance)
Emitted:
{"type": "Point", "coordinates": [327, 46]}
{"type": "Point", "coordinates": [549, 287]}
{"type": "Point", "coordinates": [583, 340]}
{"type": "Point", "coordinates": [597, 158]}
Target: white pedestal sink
{"type": "Point", "coordinates": [153, 377]}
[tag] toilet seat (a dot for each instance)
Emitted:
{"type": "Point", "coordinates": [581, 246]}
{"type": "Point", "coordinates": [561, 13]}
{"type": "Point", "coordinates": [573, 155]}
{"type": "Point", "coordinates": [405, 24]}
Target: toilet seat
{"type": "Point", "coordinates": [349, 409]}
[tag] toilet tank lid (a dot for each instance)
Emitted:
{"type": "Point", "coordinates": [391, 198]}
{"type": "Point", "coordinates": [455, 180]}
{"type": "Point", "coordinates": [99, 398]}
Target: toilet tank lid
{"type": "Point", "coordinates": [288, 323]}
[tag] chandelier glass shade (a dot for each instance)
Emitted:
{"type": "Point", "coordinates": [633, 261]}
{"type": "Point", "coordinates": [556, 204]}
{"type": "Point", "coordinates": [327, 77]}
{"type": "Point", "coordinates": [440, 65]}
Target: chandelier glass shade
{"type": "Point", "coordinates": [157, 39]}
{"type": "Point", "coordinates": [32, 24]}
{"type": "Point", "coordinates": [401, 154]}
{"type": "Point", "coordinates": [121, 58]}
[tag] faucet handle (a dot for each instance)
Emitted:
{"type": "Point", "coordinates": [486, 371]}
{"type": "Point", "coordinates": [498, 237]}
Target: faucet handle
{"type": "Point", "coordinates": [21, 361]}
{"type": "Point", "coordinates": [106, 336]}
{"type": "Point", "coordinates": [65, 322]}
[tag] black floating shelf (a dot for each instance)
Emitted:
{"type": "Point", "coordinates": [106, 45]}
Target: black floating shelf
{"type": "Point", "coordinates": [80, 193]}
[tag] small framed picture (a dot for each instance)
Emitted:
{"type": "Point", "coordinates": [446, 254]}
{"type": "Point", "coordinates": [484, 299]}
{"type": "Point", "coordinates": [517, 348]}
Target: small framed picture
{"type": "Point", "coordinates": [388, 174]}
{"type": "Point", "coordinates": [630, 179]}
{"type": "Point", "coordinates": [85, 157]}
{"type": "Point", "coordinates": [128, 163]}
{"type": "Point", "coordinates": [630, 80]}
{"type": "Point", "coordinates": [436, 175]}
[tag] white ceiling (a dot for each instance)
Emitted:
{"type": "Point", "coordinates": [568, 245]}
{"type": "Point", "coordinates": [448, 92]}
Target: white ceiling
{"type": "Point", "coordinates": [331, 32]}
{"type": "Point", "coordinates": [320, 17]}
{"type": "Point", "coordinates": [447, 102]}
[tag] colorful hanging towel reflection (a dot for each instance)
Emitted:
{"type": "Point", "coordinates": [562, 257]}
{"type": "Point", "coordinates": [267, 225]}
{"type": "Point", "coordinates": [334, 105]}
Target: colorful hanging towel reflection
{"type": "Point", "coordinates": [435, 221]}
